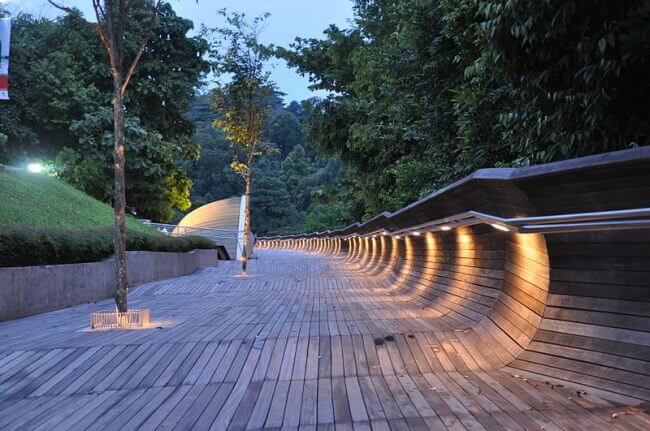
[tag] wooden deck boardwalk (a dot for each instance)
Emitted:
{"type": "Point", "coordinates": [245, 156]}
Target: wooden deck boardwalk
{"type": "Point", "coordinates": [304, 342]}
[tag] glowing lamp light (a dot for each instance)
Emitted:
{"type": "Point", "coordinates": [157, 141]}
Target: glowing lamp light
{"type": "Point", "coordinates": [132, 319]}
{"type": "Point", "coordinates": [498, 226]}
{"type": "Point", "coordinates": [445, 228]}
{"type": "Point", "coordinates": [397, 236]}
{"type": "Point", "coordinates": [35, 168]}
{"type": "Point", "coordinates": [417, 233]}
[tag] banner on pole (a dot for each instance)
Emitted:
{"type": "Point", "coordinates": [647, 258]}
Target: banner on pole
{"type": "Point", "coordinates": [5, 31]}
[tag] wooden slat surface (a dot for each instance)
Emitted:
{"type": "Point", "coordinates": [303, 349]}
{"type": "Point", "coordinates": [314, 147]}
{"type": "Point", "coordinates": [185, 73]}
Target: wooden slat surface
{"type": "Point", "coordinates": [566, 307]}
{"type": "Point", "coordinates": [304, 342]}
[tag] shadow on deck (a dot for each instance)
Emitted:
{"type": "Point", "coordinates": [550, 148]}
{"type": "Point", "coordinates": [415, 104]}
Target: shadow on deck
{"type": "Point", "coordinates": [304, 341]}
{"type": "Point", "coordinates": [423, 328]}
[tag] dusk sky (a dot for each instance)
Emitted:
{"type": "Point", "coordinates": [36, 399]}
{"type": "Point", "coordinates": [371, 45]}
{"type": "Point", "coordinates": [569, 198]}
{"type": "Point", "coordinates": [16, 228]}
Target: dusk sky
{"type": "Point", "coordinates": [289, 18]}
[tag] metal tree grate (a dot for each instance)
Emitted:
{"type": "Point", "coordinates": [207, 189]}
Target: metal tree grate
{"type": "Point", "coordinates": [115, 320]}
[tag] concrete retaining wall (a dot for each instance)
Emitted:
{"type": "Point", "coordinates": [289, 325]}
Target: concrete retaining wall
{"type": "Point", "coordinates": [36, 289]}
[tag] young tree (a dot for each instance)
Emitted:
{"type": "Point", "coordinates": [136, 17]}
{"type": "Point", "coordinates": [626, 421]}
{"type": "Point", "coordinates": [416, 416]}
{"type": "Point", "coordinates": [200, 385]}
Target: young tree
{"type": "Point", "coordinates": [112, 17]}
{"type": "Point", "coordinates": [244, 103]}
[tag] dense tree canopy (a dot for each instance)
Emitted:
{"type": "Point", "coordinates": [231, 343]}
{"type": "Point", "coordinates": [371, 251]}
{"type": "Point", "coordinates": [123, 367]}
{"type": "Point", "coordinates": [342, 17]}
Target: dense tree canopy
{"type": "Point", "coordinates": [291, 180]}
{"type": "Point", "coordinates": [428, 91]}
{"type": "Point", "coordinates": [61, 86]}
{"type": "Point", "coordinates": [421, 93]}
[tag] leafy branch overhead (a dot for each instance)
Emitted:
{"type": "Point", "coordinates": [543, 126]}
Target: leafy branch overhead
{"type": "Point", "coordinates": [426, 92]}
{"type": "Point", "coordinates": [61, 77]}
{"type": "Point", "coordinates": [244, 103]}
{"type": "Point", "coordinates": [111, 19]}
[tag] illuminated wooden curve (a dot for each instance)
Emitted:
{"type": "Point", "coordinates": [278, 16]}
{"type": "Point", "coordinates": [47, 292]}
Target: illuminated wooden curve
{"type": "Point", "coordinates": [572, 306]}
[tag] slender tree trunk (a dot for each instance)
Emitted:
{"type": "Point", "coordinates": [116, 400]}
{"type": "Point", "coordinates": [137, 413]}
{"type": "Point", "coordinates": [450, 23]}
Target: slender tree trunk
{"type": "Point", "coordinates": [247, 222]}
{"type": "Point", "coordinates": [119, 238]}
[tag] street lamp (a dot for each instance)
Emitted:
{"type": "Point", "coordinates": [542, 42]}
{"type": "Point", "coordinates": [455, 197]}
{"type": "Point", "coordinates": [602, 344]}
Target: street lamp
{"type": "Point", "coordinates": [35, 168]}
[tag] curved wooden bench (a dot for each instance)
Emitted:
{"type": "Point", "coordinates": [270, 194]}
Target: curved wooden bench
{"type": "Point", "coordinates": [562, 306]}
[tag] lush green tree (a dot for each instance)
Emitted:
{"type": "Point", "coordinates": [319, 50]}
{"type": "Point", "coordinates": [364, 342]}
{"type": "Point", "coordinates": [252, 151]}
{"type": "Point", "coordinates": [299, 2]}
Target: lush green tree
{"type": "Point", "coordinates": [284, 130]}
{"type": "Point", "coordinates": [212, 177]}
{"type": "Point", "coordinates": [50, 84]}
{"type": "Point", "coordinates": [426, 92]}
{"type": "Point", "coordinates": [111, 21]}
{"type": "Point", "coordinates": [272, 209]}
{"type": "Point", "coordinates": [329, 63]}
{"type": "Point", "coordinates": [154, 180]}
{"type": "Point", "coordinates": [3, 141]}
{"type": "Point", "coordinates": [577, 71]}
{"type": "Point", "coordinates": [295, 170]}
{"type": "Point", "coordinates": [167, 79]}
{"type": "Point", "coordinates": [479, 95]}
{"type": "Point", "coordinates": [334, 205]}
{"type": "Point", "coordinates": [393, 121]}
{"type": "Point", "coordinates": [322, 217]}
{"type": "Point", "coordinates": [60, 76]}
{"type": "Point", "coordinates": [244, 103]}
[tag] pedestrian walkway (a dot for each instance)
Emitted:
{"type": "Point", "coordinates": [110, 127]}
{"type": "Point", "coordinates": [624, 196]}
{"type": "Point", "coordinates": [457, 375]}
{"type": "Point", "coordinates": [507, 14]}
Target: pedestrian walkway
{"type": "Point", "coordinates": [303, 342]}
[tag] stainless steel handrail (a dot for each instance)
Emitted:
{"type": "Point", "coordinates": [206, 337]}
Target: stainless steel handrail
{"type": "Point", "coordinates": [636, 218]}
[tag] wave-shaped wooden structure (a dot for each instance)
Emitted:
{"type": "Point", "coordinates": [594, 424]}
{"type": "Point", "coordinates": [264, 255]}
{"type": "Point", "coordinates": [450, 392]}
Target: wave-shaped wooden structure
{"type": "Point", "coordinates": [224, 218]}
{"type": "Point", "coordinates": [569, 304]}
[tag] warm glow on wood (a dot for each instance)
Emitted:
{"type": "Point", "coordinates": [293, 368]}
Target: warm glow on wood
{"type": "Point", "coordinates": [132, 319]}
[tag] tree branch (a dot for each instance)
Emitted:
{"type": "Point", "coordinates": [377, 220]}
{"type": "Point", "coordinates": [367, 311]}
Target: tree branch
{"type": "Point", "coordinates": [95, 27]}
{"type": "Point", "coordinates": [71, 11]}
{"type": "Point", "coordinates": [143, 44]}
{"type": "Point", "coordinates": [111, 37]}
{"type": "Point", "coordinates": [99, 12]}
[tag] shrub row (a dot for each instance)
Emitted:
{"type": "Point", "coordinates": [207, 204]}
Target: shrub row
{"type": "Point", "coordinates": [21, 247]}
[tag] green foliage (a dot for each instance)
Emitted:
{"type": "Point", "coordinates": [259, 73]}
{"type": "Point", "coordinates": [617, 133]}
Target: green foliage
{"type": "Point", "coordinates": [284, 130]}
{"type": "Point", "coordinates": [50, 84]}
{"type": "Point", "coordinates": [271, 208]}
{"type": "Point", "coordinates": [47, 221]}
{"type": "Point", "coordinates": [394, 105]}
{"type": "Point", "coordinates": [3, 141]}
{"type": "Point", "coordinates": [322, 217]}
{"type": "Point", "coordinates": [577, 73]}
{"type": "Point", "coordinates": [166, 80]}
{"type": "Point", "coordinates": [212, 178]}
{"type": "Point", "coordinates": [153, 179]}
{"type": "Point", "coordinates": [62, 85]}
{"type": "Point", "coordinates": [329, 61]}
{"type": "Point", "coordinates": [290, 179]}
{"type": "Point", "coordinates": [26, 247]}
{"type": "Point", "coordinates": [295, 171]}
{"type": "Point", "coordinates": [427, 92]}
{"type": "Point", "coordinates": [244, 103]}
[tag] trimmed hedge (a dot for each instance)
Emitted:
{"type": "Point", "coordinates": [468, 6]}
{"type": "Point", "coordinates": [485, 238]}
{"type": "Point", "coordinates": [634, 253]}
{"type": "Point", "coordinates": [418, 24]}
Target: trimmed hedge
{"type": "Point", "coordinates": [22, 247]}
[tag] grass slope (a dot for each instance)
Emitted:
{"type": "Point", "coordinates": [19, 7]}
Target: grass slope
{"type": "Point", "coordinates": [44, 220]}
{"type": "Point", "coordinates": [39, 201]}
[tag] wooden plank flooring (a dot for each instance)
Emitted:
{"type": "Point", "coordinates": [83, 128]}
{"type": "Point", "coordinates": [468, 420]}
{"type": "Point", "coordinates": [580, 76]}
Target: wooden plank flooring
{"type": "Point", "coordinates": [303, 342]}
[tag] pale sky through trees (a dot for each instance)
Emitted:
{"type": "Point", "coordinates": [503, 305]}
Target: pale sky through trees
{"type": "Point", "coordinates": [289, 18]}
